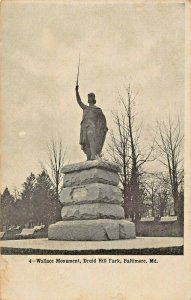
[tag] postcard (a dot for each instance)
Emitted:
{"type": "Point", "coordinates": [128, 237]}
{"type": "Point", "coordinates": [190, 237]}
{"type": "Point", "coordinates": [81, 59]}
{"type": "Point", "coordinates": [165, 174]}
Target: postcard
{"type": "Point", "coordinates": [95, 150]}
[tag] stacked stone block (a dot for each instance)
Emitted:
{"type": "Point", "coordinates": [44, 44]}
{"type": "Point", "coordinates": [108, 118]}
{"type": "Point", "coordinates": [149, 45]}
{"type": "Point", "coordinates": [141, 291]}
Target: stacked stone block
{"type": "Point", "coordinates": [91, 204]}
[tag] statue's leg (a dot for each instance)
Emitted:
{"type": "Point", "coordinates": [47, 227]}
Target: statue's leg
{"type": "Point", "coordinates": [92, 143]}
{"type": "Point", "coordinates": [86, 149]}
{"type": "Point", "coordinates": [88, 154]}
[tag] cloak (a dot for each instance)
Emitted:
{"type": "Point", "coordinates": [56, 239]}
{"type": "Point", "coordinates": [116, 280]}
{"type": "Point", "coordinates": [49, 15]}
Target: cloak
{"type": "Point", "coordinates": [94, 122]}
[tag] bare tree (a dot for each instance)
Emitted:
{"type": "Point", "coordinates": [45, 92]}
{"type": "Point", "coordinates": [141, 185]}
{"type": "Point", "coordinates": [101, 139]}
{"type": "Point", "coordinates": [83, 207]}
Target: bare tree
{"type": "Point", "coordinates": [119, 152]}
{"type": "Point", "coordinates": [124, 149]}
{"type": "Point", "coordinates": [158, 194]}
{"type": "Point", "coordinates": [56, 159]}
{"type": "Point", "coordinates": [170, 149]}
{"type": "Point", "coordinates": [151, 188]}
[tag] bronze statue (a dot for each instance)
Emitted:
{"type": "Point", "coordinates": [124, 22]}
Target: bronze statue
{"type": "Point", "coordinates": [93, 127]}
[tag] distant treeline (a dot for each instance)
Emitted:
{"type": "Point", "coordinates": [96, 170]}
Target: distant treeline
{"type": "Point", "coordinates": [38, 203]}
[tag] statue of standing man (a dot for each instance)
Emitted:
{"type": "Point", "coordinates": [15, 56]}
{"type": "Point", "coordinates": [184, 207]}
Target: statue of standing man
{"type": "Point", "coordinates": [93, 127]}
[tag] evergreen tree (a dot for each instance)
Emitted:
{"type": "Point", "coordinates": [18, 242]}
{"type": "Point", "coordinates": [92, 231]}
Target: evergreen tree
{"type": "Point", "coordinates": [45, 202]}
{"type": "Point", "coordinates": [7, 202]}
{"type": "Point", "coordinates": [26, 205]}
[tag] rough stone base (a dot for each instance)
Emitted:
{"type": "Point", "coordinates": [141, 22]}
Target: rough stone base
{"type": "Point", "coordinates": [91, 193]}
{"type": "Point", "coordinates": [90, 176]}
{"type": "Point", "coordinates": [95, 171]}
{"type": "Point", "coordinates": [92, 211]}
{"type": "Point", "coordinates": [91, 230]}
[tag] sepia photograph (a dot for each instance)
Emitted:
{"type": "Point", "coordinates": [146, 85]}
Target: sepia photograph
{"type": "Point", "coordinates": [93, 129]}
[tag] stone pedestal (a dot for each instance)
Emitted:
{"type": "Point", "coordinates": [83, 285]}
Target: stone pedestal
{"type": "Point", "coordinates": [92, 204]}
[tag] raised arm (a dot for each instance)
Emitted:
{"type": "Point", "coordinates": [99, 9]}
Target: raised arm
{"type": "Point", "coordinates": [81, 104]}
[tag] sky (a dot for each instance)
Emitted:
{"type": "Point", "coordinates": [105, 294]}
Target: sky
{"type": "Point", "coordinates": [119, 43]}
